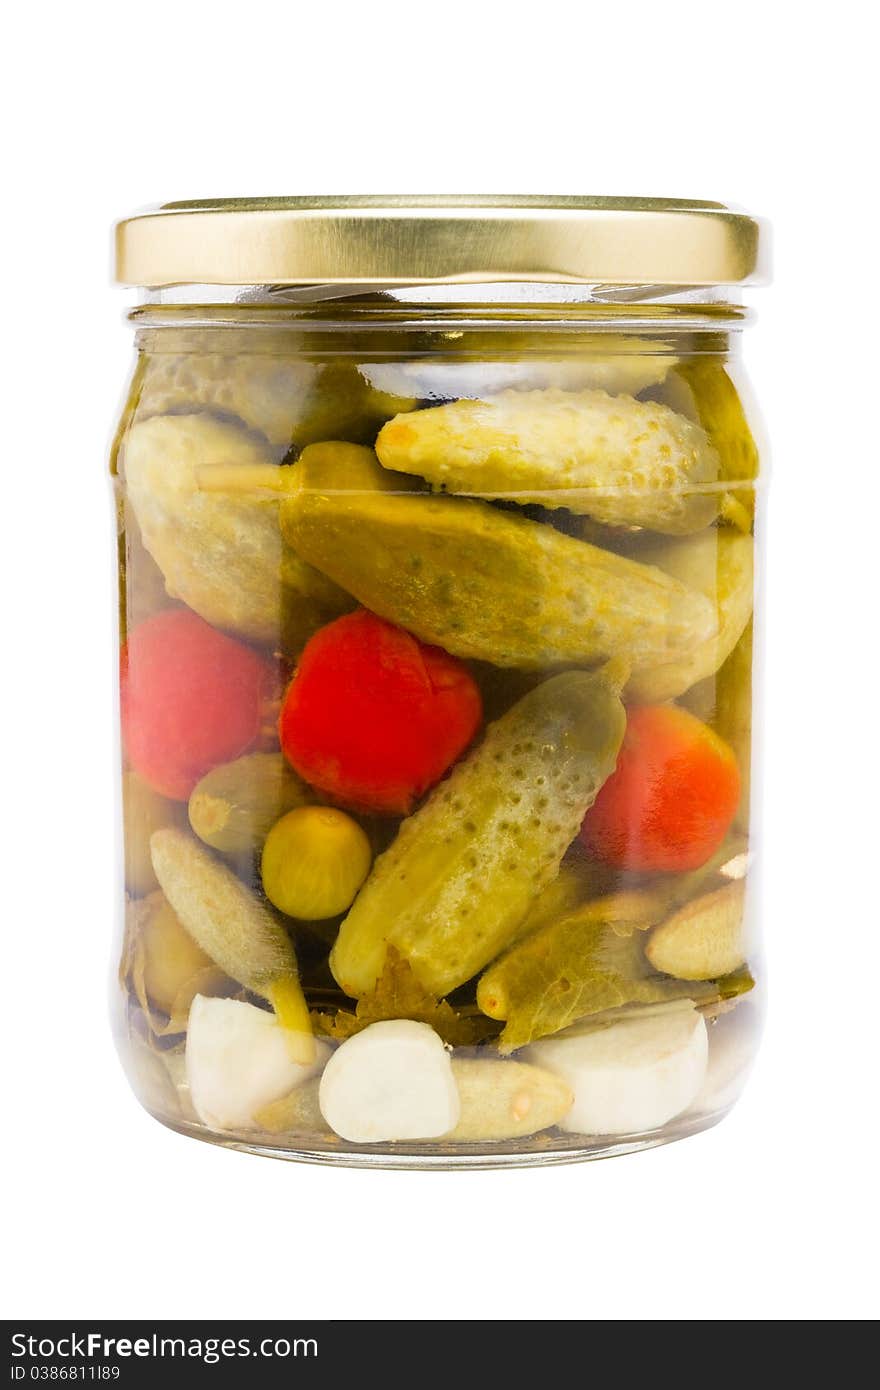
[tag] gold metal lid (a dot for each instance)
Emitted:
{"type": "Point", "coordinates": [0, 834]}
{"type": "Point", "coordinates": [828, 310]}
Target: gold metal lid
{"type": "Point", "coordinates": [421, 239]}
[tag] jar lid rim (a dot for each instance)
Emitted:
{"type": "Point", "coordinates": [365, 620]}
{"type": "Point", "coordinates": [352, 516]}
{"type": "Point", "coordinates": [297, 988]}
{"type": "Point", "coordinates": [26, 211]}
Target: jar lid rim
{"type": "Point", "coordinates": [422, 239]}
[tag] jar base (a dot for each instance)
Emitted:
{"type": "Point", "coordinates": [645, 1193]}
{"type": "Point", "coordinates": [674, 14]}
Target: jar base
{"type": "Point", "coordinates": [543, 1151]}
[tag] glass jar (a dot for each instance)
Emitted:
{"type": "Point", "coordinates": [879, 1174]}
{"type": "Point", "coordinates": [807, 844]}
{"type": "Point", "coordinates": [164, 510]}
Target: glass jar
{"type": "Point", "coordinates": [437, 527]}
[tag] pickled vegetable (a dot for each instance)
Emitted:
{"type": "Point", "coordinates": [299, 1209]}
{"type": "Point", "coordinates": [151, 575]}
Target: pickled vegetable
{"type": "Point", "coordinates": [172, 959]}
{"type": "Point", "coordinates": [398, 993]}
{"type": "Point", "coordinates": [608, 363]}
{"type": "Point", "coordinates": [191, 698]}
{"type": "Point", "coordinates": [489, 584]}
{"type": "Point", "coordinates": [373, 717]}
{"type": "Point", "coordinates": [620, 460]}
{"type": "Point", "coordinates": [585, 963]}
{"type": "Point", "coordinates": [143, 811]}
{"type": "Point", "coordinates": [221, 551]}
{"type": "Point", "coordinates": [717, 563]}
{"type": "Point", "coordinates": [506, 1100]}
{"type": "Point", "coordinates": [464, 870]}
{"type": "Point", "coordinates": [392, 1081]}
{"type": "Point", "coordinates": [314, 861]}
{"type": "Point", "coordinates": [235, 805]}
{"type": "Point", "coordinates": [703, 939]}
{"type": "Point", "coordinates": [298, 1112]}
{"type": "Point", "coordinates": [238, 1060]}
{"type": "Point", "coordinates": [672, 798]}
{"type": "Point", "coordinates": [701, 388]}
{"type": "Point", "coordinates": [234, 928]}
{"type": "Point", "coordinates": [632, 1075]}
{"type": "Point", "coordinates": [283, 397]}
{"type": "Point", "coordinates": [733, 715]}
{"type": "Point", "coordinates": [162, 967]}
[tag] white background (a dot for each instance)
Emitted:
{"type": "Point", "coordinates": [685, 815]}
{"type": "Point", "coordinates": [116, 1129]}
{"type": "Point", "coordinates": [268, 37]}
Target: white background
{"type": "Point", "coordinates": [108, 108]}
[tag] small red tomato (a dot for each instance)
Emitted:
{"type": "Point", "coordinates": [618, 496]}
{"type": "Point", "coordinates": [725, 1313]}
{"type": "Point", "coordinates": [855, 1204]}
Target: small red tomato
{"type": "Point", "coordinates": [373, 717]}
{"type": "Point", "coordinates": [671, 800]}
{"type": "Point", "coordinates": [191, 698]}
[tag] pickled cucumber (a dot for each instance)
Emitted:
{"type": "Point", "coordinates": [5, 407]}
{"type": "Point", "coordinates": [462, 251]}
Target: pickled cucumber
{"type": "Point", "coordinates": [456, 883]}
{"type": "Point", "coordinates": [718, 563]}
{"type": "Point", "coordinates": [221, 552]}
{"type": "Point", "coordinates": [287, 399]}
{"type": "Point", "coordinates": [733, 715]}
{"type": "Point", "coordinates": [493, 585]}
{"type": "Point", "coordinates": [236, 930]}
{"type": "Point", "coordinates": [614, 458]}
{"type": "Point", "coordinates": [701, 388]}
{"type": "Point", "coordinates": [235, 805]}
{"type": "Point", "coordinates": [574, 966]}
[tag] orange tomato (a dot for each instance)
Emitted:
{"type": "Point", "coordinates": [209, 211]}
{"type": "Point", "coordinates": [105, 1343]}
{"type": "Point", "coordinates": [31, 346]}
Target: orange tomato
{"type": "Point", "coordinates": [672, 798]}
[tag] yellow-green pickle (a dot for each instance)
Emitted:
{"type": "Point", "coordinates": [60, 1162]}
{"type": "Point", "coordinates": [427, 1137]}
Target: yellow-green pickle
{"type": "Point", "coordinates": [439, 526]}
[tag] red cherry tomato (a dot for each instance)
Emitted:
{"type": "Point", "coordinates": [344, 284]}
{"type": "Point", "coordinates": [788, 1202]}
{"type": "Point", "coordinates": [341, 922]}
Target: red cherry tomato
{"type": "Point", "coordinates": [672, 798]}
{"type": "Point", "coordinates": [191, 698]}
{"type": "Point", "coordinates": [373, 717]}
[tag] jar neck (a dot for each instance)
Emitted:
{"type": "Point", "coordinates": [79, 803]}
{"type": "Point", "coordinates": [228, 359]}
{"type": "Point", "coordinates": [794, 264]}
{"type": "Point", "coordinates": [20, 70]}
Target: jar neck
{"type": "Point", "coordinates": [535, 306]}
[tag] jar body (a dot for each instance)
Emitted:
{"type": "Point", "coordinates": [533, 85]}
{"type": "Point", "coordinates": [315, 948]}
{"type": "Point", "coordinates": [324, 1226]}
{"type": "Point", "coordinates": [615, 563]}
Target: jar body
{"type": "Point", "coordinates": [436, 677]}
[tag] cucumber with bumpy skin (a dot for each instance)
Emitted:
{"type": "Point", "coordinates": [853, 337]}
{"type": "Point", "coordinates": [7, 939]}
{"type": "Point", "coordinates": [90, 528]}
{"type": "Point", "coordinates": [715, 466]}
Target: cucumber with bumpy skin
{"type": "Point", "coordinates": [718, 563]}
{"type": "Point", "coordinates": [491, 584]}
{"type": "Point", "coordinates": [220, 549]}
{"type": "Point", "coordinates": [620, 460]}
{"type": "Point", "coordinates": [456, 883]}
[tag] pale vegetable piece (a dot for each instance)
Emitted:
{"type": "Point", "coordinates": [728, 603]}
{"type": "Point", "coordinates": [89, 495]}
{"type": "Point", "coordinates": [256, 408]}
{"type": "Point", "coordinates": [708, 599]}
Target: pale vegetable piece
{"type": "Point", "coordinates": [234, 928]}
{"type": "Point", "coordinates": [238, 1060]}
{"type": "Point", "coordinates": [162, 967]}
{"type": "Point", "coordinates": [617, 459]}
{"type": "Point", "coordinates": [268, 392]}
{"type": "Point", "coordinates": [296, 1113]}
{"type": "Point", "coordinates": [454, 886]}
{"type": "Point", "coordinates": [276, 391]}
{"type": "Point", "coordinates": [235, 805]}
{"type": "Point", "coordinates": [704, 939]}
{"type": "Point", "coordinates": [393, 1081]}
{"type": "Point", "coordinates": [718, 563]}
{"type": "Point", "coordinates": [143, 811]}
{"type": "Point", "coordinates": [149, 1076]}
{"type": "Point", "coordinates": [491, 584]}
{"type": "Point", "coordinates": [171, 957]}
{"type": "Point", "coordinates": [733, 1039]}
{"type": "Point", "coordinates": [221, 552]}
{"type": "Point", "coordinates": [611, 364]}
{"type": "Point", "coordinates": [632, 1075]}
{"type": "Point", "coordinates": [314, 861]}
{"type": "Point", "coordinates": [506, 1100]}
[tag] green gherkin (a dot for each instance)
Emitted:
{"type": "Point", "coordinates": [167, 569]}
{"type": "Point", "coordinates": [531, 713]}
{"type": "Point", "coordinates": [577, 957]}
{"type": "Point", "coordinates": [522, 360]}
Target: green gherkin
{"type": "Point", "coordinates": [464, 870]}
{"type": "Point", "coordinates": [620, 460]}
{"type": "Point", "coordinates": [719, 563]}
{"type": "Point", "coordinates": [486, 583]}
{"type": "Point", "coordinates": [579, 964]}
{"type": "Point", "coordinates": [235, 805]}
{"type": "Point", "coordinates": [280, 394]}
{"type": "Point", "coordinates": [702, 389]}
